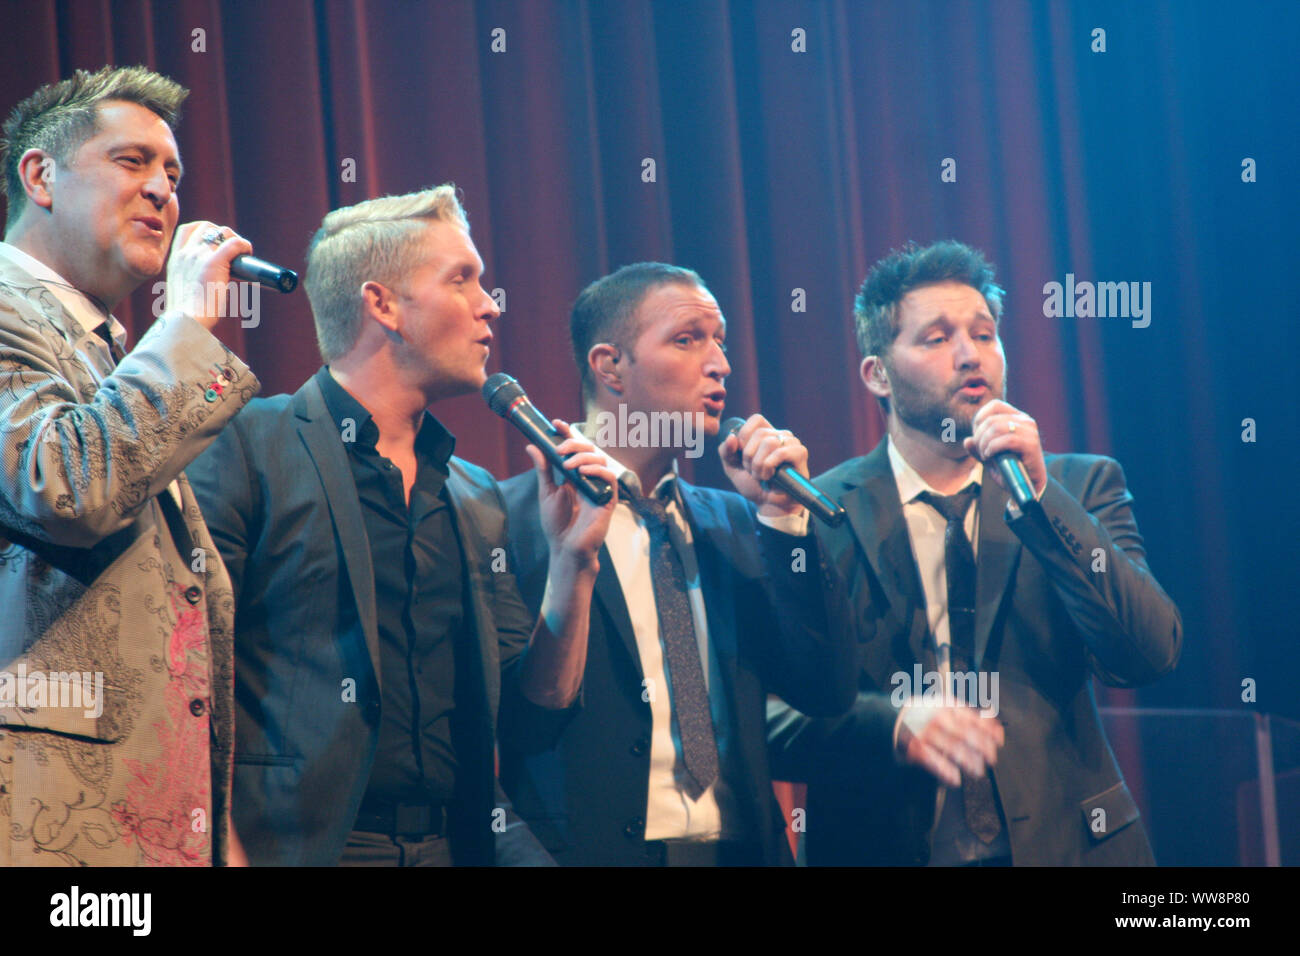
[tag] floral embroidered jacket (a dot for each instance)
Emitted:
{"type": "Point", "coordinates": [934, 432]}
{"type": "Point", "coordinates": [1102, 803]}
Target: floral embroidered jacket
{"type": "Point", "coordinates": [116, 613]}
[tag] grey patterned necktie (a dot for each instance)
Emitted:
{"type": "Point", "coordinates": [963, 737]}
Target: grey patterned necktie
{"type": "Point", "coordinates": [959, 566]}
{"type": "Point", "coordinates": [690, 697]}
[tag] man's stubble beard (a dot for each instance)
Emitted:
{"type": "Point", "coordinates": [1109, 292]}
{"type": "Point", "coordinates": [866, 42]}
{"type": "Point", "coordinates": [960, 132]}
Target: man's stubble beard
{"type": "Point", "coordinates": [928, 413]}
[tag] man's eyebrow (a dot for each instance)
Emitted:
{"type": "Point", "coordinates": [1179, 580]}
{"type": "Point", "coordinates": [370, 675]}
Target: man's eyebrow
{"type": "Point", "coordinates": [701, 321]}
{"type": "Point", "coordinates": [465, 266]}
{"type": "Point", "coordinates": [940, 319]}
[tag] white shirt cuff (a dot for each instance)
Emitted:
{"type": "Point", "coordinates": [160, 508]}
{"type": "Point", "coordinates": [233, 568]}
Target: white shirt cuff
{"type": "Point", "coordinates": [795, 525]}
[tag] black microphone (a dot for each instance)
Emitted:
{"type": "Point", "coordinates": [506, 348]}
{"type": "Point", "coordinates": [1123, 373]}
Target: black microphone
{"type": "Point", "coordinates": [1013, 476]}
{"type": "Point", "coordinates": [505, 397]}
{"type": "Point", "coordinates": [253, 269]}
{"type": "Point", "coordinates": [796, 485]}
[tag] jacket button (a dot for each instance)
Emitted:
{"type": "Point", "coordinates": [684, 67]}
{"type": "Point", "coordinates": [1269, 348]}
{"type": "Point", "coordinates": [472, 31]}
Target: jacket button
{"type": "Point", "coordinates": [193, 593]}
{"type": "Point", "coordinates": [196, 707]}
{"type": "Point", "coordinates": [640, 747]}
{"type": "Point", "coordinates": [634, 829]}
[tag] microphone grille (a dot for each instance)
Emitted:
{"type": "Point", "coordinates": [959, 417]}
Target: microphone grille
{"type": "Point", "coordinates": [500, 392]}
{"type": "Point", "coordinates": [731, 426]}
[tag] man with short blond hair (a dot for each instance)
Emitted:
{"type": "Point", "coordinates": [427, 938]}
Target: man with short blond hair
{"type": "Point", "coordinates": [110, 574]}
{"type": "Point", "coordinates": [375, 613]}
{"type": "Point", "coordinates": [369, 241]}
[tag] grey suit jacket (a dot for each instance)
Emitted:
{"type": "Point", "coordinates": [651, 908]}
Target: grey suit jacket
{"type": "Point", "coordinates": [1048, 619]}
{"type": "Point", "coordinates": [109, 577]}
{"type": "Point", "coordinates": [278, 493]}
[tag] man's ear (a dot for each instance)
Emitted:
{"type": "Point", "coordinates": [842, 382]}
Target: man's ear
{"type": "Point", "coordinates": [875, 376]}
{"type": "Point", "coordinates": [36, 170]}
{"type": "Point", "coordinates": [604, 360]}
{"type": "Point", "coordinates": [379, 304]}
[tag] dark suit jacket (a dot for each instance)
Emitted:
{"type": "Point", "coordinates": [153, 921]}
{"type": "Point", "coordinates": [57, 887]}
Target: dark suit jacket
{"type": "Point", "coordinates": [1046, 622]}
{"type": "Point", "coordinates": [580, 776]}
{"type": "Point", "coordinates": [279, 496]}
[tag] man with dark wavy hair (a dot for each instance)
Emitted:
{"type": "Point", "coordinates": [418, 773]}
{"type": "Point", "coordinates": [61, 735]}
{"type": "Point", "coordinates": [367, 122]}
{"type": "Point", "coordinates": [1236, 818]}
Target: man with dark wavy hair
{"type": "Point", "coordinates": [982, 624]}
{"type": "Point", "coordinates": [116, 706]}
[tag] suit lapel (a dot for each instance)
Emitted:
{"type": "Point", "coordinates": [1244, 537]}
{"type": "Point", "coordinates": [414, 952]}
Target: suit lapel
{"type": "Point", "coordinates": [708, 524]}
{"type": "Point", "coordinates": [876, 516]}
{"type": "Point", "coordinates": [322, 438]}
{"type": "Point", "coordinates": [609, 593]}
{"type": "Point", "coordinates": [999, 552]}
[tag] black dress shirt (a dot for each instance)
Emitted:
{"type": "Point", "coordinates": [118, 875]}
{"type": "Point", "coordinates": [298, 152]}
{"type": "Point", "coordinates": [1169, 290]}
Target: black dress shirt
{"type": "Point", "coordinates": [419, 600]}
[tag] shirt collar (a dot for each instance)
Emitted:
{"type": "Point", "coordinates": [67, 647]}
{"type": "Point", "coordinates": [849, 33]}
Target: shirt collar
{"type": "Point", "coordinates": [665, 487]}
{"type": "Point", "coordinates": [84, 311]}
{"type": "Point", "coordinates": [910, 483]}
{"type": "Point", "coordinates": [432, 440]}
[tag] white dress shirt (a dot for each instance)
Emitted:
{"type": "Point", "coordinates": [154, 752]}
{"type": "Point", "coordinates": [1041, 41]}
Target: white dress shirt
{"type": "Point", "coordinates": [671, 813]}
{"type": "Point", "coordinates": [925, 529]}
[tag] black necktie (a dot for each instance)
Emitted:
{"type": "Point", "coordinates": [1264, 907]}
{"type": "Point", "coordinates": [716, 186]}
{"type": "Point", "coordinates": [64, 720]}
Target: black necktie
{"type": "Point", "coordinates": [959, 565]}
{"type": "Point", "coordinates": [104, 333]}
{"type": "Point", "coordinates": [690, 698]}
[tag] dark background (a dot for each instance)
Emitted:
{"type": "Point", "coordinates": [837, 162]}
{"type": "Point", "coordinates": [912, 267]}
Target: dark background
{"type": "Point", "coordinates": [779, 170]}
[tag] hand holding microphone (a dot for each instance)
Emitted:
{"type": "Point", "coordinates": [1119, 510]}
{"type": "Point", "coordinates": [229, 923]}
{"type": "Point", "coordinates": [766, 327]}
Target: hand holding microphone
{"type": "Point", "coordinates": [1008, 439]}
{"type": "Point", "coordinates": [200, 260]}
{"type": "Point", "coordinates": [505, 397]}
{"type": "Point", "coordinates": [763, 462]}
{"type": "Point", "coordinates": [204, 259]}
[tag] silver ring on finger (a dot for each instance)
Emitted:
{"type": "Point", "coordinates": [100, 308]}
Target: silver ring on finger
{"type": "Point", "coordinates": [214, 237]}
{"type": "Point", "coordinates": [1011, 426]}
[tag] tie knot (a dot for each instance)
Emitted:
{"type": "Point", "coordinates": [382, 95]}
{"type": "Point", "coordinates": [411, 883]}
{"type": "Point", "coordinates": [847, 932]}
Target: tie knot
{"type": "Point", "coordinates": [653, 507]}
{"type": "Point", "coordinates": [952, 507]}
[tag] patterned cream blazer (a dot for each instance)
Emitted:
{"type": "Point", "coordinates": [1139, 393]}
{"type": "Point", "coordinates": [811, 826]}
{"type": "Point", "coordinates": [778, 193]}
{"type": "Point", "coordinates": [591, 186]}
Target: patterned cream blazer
{"type": "Point", "coordinates": [116, 613]}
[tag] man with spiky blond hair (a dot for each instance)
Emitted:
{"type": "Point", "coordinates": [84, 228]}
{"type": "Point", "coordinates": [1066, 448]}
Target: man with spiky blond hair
{"type": "Point", "coordinates": [374, 608]}
{"type": "Point", "coordinates": [107, 570]}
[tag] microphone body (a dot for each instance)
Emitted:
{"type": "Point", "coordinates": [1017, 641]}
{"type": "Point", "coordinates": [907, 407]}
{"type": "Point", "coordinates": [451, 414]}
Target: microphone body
{"type": "Point", "coordinates": [1013, 476]}
{"type": "Point", "coordinates": [505, 397]}
{"type": "Point", "coordinates": [253, 269]}
{"type": "Point", "coordinates": [797, 486]}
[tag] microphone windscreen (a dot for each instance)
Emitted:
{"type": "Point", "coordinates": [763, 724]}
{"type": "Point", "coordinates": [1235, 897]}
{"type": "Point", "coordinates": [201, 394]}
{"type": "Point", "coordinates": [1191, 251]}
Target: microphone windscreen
{"type": "Point", "coordinates": [501, 391]}
{"type": "Point", "coordinates": [731, 426]}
